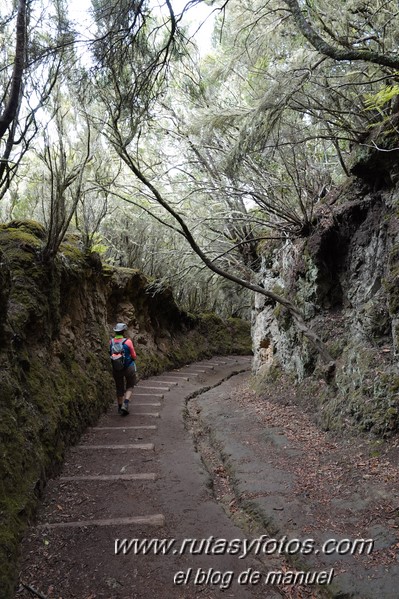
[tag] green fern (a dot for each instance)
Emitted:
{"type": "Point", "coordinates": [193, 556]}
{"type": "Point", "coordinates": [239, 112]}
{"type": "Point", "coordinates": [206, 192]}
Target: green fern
{"type": "Point", "coordinates": [381, 98]}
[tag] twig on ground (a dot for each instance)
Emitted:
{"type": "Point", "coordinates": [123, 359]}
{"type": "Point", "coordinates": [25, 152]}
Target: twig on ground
{"type": "Point", "coordinates": [33, 591]}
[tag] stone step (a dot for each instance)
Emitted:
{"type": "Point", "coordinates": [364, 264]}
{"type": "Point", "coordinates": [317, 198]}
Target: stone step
{"type": "Point", "coordinates": [153, 388]}
{"type": "Point", "coordinates": [142, 383]}
{"type": "Point", "coordinates": [176, 376]}
{"type": "Point", "coordinates": [144, 446]}
{"type": "Point", "coordinates": [192, 373]}
{"type": "Point", "coordinates": [152, 427]}
{"type": "Point", "coordinates": [154, 520]}
{"type": "Point", "coordinates": [110, 477]}
{"type": "Point", "coordinates": [148, 414]}
{"type": "Point", "coordinates": [196, 372]}
{"type": "Point", "coordinates": [159, 396]}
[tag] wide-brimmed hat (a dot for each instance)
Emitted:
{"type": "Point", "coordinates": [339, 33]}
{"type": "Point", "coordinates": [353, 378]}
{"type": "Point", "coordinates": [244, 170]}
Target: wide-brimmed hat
{"type": "Point", "coordinates": [121, 326]}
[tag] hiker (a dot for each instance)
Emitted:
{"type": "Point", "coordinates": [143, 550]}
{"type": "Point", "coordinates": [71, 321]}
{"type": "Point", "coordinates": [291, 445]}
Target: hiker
{"type": "Point", "coordinates": [123, 356]}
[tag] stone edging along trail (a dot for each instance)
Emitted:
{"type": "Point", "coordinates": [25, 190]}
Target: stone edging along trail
{"type": "Point", "coordinates": [256, 473]}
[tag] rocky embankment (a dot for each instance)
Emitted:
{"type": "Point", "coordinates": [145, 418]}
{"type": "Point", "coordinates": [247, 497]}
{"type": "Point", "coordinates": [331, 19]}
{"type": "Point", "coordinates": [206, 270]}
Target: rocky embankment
{"type": "Point", "coordinates": [344, 276]}
{"type": "Point", "coordinates": [55, 380]}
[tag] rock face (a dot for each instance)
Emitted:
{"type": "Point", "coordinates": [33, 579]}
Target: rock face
{"type": "Point", "coordinates": [345, 278]}
{"type": "Point", "coordinates": [55, 377]}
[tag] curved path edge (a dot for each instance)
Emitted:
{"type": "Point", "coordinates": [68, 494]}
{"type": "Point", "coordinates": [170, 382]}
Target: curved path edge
{"type": "Point", "coordinates": [253, 457]}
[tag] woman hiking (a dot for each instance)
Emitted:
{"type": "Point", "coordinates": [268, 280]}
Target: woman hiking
{"type": "Point", "coordinates": [123, 356]}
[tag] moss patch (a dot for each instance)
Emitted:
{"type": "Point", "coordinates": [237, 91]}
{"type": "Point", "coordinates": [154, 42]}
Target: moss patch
{"type": "Point", "coordinates": [366, 397]}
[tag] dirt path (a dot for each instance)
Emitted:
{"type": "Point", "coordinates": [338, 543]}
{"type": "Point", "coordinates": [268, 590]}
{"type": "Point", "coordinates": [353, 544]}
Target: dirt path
{"type": "Point", "coordinates": [138, 477]}
{"type": "Point", "coordinates": [205, 463]}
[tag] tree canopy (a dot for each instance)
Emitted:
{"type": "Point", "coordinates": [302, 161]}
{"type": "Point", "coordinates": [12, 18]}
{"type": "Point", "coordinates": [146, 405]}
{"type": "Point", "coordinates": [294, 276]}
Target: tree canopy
{"type": "Point", "coordinates": [166, 158]}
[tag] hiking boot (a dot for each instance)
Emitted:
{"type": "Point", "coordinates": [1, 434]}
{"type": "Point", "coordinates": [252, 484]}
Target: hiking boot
{"type": "Point", "coordinates": [125, 409]}
{"type": "Point", "coordinates": [119, 409]}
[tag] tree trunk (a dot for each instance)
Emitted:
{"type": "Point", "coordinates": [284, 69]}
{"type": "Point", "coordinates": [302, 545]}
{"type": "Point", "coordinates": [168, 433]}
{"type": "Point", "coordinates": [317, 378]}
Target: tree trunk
{"type": "Point", "coordinates": [12, 103]}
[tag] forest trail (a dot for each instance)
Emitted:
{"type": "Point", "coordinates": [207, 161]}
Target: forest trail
{"type": "Point", "coordinates": [201, 457]}
{"type": "Point", "coordinates": [136, 477]}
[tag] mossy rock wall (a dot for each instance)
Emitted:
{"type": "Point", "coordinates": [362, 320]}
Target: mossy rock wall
{"type": "Point", "coordinates": [344, 277]}
{"type": "Point", "coordinates": [55, 378]}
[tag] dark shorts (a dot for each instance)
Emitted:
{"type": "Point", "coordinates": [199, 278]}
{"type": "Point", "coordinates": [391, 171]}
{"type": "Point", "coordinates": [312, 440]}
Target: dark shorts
{"type": "Point", "coordinates": [127, 375]}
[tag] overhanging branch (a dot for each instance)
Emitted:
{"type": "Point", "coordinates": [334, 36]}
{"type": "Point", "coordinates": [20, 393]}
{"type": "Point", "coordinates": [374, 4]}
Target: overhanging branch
{"type": "Point", "coordinates": [186, 233]}
{"type": "Point", "coordinates": [336, 53]}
